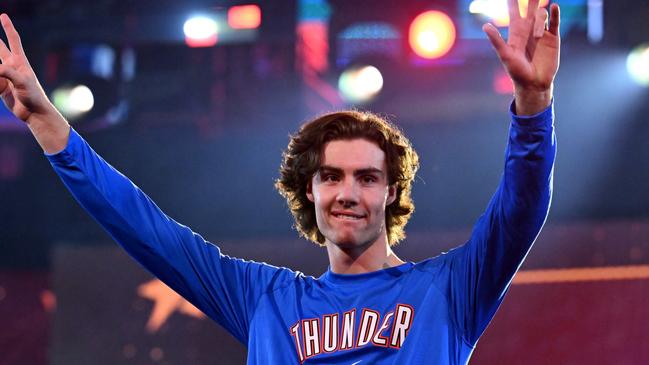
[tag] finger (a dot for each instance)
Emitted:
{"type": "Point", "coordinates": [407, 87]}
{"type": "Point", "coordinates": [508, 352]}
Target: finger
{"type": "Point", "coordinates": [4, 52]}
{"type": "Point", "coordinates": [554, 19]}
{"type": "Point", "coordinates": [540, 22]}
{"type": "Point", "coordinates": [514, 13]}
{"type": "Point", "coordinates": [532, 5]}
{"type": "Point", "coordinates": [496, 40]}
{"type": "Point", "coordinates": [12, 35]}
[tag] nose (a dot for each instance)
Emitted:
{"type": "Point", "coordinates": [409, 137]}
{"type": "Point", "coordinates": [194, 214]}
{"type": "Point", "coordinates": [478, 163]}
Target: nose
{"type": "Point", "coordinates": [348, 193]}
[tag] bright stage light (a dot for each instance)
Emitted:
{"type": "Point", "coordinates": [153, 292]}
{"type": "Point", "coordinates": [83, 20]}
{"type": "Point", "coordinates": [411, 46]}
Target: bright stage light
{"type": "Point", "coordinates": [637, 64]}
{"type": "Point", "coordinates": [360, 84]}
{"type": "Point", "coordinates": [496, 10]}
{"type": "Point", "coordinates": [432, 34]}
{"type": "Point", "coordinates": [200, 31]}
{"type": "Point", "coordinates": [73, 102]}
{"type": "Point", "coordinates": [81, 98]}
{"type": "Point", "coordinates": [244, 17]}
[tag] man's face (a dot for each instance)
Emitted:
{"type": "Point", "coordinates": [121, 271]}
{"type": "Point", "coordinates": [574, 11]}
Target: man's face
{"type": "Point", "coordinates": [350, 192]}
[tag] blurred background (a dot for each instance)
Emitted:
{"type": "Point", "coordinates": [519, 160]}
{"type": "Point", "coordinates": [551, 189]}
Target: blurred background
{"type": "Point", "coordinates": [195, 100]}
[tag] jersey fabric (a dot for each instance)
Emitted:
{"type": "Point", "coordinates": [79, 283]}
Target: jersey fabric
{"type": "Point", "coordinates": [430, 312]}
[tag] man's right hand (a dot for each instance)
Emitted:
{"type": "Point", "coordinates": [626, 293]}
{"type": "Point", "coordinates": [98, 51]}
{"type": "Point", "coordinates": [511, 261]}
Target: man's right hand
{"type": "Point", "coordinates": [23, 95]}
{"type": "Point", "coordinates": [19, 88]}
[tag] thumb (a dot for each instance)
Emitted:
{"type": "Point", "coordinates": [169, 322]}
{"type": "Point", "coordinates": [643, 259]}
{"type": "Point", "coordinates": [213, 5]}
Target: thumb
{"type": "Point", "coordinates": [497, 41]}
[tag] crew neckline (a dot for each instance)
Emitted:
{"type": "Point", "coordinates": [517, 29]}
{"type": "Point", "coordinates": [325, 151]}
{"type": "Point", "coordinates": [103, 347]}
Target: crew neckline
{"type": "Point", "coordinates": [388, 273]}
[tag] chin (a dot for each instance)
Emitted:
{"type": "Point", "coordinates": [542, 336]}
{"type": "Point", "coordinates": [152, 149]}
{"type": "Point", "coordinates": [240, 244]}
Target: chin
{"type": "Point", "coordinates": [347, 242]}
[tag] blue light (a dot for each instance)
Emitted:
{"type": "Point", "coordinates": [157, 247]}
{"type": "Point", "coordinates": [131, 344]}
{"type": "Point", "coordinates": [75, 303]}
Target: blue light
{"type": "Point", "coordinates": [373, 30]}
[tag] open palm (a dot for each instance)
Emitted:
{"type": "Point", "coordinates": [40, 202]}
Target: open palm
{"type": "Point", "coordinates": [531, 54]}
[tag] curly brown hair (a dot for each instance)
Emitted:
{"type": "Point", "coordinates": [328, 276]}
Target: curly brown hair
{"type": "Point", "coordinates": [301, 161]}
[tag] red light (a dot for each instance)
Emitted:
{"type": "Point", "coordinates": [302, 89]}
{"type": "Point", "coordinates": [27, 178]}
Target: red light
{"type": "Point", "coordinates": [314, 45]}
{"type": "Point", "coordinates": [201, 42]}
{"type": "Point", "coordinates": [244, 17]}
{"type": "Point", "coordinates": [432, 34]}
{"type": "Point", "coordinates": [502, 83]}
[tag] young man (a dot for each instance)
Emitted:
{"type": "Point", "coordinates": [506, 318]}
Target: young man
{"type": "Point", "coordinates": [347, 178]}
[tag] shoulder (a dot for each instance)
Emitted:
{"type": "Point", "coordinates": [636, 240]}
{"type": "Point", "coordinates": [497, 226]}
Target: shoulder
{"type": "Point", "coordinates": [437, 263]}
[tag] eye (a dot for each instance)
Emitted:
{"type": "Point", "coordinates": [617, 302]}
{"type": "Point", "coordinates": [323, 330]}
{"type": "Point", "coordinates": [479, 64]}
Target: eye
{"type": "Point", "coordinates": [329, 178]}
{"type": "Point", "coordinates": [368, 179]}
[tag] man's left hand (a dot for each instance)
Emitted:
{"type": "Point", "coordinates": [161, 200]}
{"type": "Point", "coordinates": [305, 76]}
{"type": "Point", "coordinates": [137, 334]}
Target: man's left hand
{"type": "Point", "coordinates": [530, 55]}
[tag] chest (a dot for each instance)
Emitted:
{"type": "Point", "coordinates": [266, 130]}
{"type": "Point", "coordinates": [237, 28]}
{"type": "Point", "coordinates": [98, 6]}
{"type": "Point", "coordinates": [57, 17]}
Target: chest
{"type": "Point", "coordinates": [318, 322]}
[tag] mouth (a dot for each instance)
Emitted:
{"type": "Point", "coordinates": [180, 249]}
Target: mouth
{"type": "Point", "coordinates": [351, 217]}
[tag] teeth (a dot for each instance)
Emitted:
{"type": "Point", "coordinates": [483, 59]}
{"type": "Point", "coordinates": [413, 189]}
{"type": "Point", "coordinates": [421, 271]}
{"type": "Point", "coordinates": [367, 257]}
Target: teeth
{"type": "Point", "coordinates": [349, 217]}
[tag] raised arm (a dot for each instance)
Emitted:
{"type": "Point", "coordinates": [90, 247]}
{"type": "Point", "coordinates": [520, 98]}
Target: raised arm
{"type": "Point", "coordinates": [224, 288]}
{"type": "Point", "coordinates": [482, 269]}
{"type": "Point", "coordinates": [24, 97]}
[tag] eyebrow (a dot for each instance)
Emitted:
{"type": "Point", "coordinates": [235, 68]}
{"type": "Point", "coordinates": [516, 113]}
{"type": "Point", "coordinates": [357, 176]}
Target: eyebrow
{"type": "Point", "coordinates": [363, 171]}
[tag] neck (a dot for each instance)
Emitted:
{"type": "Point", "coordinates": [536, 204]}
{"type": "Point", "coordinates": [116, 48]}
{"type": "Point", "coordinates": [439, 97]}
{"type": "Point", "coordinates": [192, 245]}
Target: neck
{"type": "Point", "coordinates": [361, 259]}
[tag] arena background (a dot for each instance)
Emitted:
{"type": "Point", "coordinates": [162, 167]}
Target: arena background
{"type": "Point", "coordinates": [201, 131]}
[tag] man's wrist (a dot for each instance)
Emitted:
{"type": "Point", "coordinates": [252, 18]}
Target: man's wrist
{"type": "Point", "coordinates": [51, 130]}
{"type": "Point", "coordinates": [531, 102]}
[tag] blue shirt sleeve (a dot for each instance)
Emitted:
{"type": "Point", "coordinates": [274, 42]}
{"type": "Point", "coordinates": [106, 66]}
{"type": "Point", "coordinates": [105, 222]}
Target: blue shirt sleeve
{"type": "Point", "coordinates": [224, 288]}
{"type": "Point", "coordinates": [481, 270]}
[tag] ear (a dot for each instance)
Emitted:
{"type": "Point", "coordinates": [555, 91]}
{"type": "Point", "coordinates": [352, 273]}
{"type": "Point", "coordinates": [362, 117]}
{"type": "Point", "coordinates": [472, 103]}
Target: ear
{"type": "Point", "coordinates": [309, 190]}
{"type": "Point", "coordinates": [392, 194]}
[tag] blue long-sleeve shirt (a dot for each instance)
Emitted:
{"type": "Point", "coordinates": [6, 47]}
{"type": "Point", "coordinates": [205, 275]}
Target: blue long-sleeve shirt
{"type": "Point", "coordinates": [430, 312]}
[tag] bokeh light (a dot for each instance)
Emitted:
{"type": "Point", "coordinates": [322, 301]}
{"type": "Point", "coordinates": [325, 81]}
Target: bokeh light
{"type": "Point", "coordinates": [200, 31]}
{"type": "Point", "coordinates": [360, 84]}
{"type": "Point", "coordinates": [74, 101]}
{"type": "Point", "coordinates": [637, 64]}
{"type": "Point", "coordinates": [244, 17]}
{"type": "Point", "coordinates": [432, 34]}
{"type": "Point", "coordinates": [497, 11]}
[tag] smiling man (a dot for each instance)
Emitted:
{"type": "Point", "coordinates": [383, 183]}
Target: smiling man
{"type": "Point", "coordinates": [347, 193]}
{"type": "Point", "coordinates": [347, 179]}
